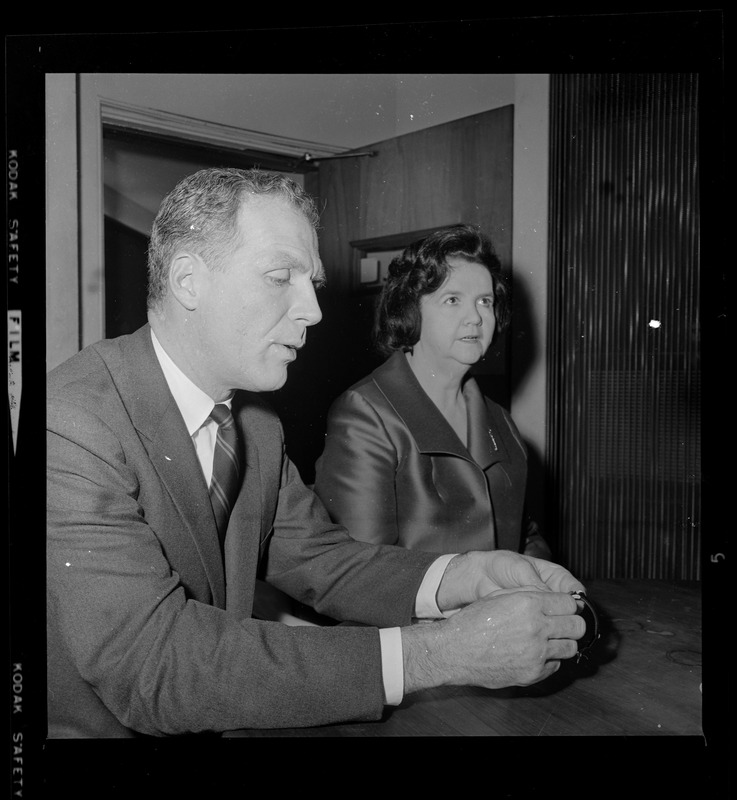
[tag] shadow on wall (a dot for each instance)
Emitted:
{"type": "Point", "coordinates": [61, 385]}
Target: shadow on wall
{"type": "Point", "coordinates": [525, 341]}
{"type": "Point", "coordinates": [524, 353]}
{"type": "Point", "coordinates": [126, 278]}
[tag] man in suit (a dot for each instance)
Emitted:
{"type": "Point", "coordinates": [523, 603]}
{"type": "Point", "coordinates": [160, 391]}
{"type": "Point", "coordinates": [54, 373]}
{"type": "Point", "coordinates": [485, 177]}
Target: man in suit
{"type": "Point", "coordinates": [151, 622]}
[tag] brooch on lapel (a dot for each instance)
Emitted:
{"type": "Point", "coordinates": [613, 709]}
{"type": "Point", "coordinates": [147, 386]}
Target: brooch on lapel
{"type": "Point", "coordinates": [493, 440]}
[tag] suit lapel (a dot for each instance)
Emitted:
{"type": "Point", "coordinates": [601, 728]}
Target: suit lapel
{"type": "Point", "coordinates": [433, 434]}
{"type": "Point", "coordinates": [428, 426]}
{"type": "Point", "coordinates": [156, 416]}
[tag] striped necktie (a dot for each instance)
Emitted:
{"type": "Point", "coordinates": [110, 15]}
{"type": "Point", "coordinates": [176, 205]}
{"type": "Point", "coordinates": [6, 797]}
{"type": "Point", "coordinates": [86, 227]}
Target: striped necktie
{"type": "Point", "coordinates": [225, 468]}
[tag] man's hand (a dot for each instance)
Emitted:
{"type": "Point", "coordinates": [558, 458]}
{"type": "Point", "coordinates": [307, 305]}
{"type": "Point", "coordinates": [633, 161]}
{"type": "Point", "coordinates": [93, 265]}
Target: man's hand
{"type": "Point", "coordinates": [471, 576]}
{"type": "Point", "coordinates": [513, 637]}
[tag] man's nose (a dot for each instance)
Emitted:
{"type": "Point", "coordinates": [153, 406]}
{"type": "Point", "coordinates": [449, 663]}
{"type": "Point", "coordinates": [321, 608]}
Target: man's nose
{"type": "Point", "coordinates": [306, 308]}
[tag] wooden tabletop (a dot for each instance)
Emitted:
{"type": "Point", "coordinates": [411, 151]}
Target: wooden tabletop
{"type": "Point", "coordinates": [643, 677]}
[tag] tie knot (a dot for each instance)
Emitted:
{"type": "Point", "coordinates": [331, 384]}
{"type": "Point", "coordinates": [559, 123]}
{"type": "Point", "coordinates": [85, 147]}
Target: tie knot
{"type": "Point", "coordinates": [221, 414]}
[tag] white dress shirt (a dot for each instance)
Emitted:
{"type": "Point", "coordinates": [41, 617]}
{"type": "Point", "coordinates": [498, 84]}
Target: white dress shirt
{"type": "Point", "coordinates": [195, 407]}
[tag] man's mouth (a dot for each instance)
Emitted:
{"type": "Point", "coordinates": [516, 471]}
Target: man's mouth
{"type": "Point", "coordinates": [291, 349]}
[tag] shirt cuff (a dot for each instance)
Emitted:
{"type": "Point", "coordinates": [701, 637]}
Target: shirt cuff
{"type": "Point", "coordinates": [426, 606]}
{"type": "Point", "coordinates": [392, 665]}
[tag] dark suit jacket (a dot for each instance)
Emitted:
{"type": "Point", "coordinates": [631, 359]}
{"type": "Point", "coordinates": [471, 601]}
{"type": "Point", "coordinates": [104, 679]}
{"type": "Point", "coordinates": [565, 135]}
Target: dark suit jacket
{"type": "Point", "coordinates": [148, 631]}
{"type": "Point", "coordinates": [394, 471]}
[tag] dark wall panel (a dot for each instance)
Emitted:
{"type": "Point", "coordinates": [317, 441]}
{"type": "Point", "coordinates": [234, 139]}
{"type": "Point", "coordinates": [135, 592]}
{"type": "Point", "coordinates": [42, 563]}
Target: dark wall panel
{"type": "Point", "coordinates": [624, 389]}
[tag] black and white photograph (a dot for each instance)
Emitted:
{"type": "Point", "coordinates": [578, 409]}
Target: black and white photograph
{"type": "Point", "coordinates": [370, 374]}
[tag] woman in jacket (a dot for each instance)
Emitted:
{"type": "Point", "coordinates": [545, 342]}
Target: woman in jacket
{"type": "Point", "coordinates": [415, 455]}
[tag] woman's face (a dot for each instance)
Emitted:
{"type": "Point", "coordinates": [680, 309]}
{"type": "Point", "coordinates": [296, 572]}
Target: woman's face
{"type": "Point", "coordinates": [458, 319]}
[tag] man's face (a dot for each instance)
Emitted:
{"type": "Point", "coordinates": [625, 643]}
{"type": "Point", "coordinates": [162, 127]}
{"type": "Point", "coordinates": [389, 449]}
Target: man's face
{"type": "Point", "coordinates": [253, 313]}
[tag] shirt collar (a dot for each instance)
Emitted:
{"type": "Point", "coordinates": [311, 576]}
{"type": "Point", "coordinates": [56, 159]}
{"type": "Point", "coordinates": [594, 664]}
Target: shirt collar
{"type": "Point", "coordinates": [194, 404]}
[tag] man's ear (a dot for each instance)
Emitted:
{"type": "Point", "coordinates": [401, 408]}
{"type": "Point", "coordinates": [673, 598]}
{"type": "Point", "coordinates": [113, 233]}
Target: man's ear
{"type": "Point", "coordinates": [184, 279]}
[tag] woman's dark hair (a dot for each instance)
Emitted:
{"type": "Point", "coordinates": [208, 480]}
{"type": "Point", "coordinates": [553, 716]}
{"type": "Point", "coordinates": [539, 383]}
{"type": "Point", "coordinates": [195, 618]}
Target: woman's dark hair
{"type": "Point", "coordinates": [421, 269]}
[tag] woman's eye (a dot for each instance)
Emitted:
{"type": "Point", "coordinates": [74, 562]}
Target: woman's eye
{"type": "Point", "coordinates": [451, 300]}
{"type": "Point", "coordinates": [486, 301]}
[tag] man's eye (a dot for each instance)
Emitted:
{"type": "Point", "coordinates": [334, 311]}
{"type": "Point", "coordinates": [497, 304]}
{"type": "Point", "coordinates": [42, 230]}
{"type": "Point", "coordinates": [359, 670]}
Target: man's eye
{"type": "Point", "coordinates": [280, 276]}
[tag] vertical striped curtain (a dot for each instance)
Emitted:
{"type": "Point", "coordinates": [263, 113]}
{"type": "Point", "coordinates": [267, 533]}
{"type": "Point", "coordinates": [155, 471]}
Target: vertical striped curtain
{"type": "Point", "coordinates": [624, 383]}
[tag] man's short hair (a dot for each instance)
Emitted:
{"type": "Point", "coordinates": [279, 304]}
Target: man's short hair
{"type": "Point", "coordinates": [201, 215]}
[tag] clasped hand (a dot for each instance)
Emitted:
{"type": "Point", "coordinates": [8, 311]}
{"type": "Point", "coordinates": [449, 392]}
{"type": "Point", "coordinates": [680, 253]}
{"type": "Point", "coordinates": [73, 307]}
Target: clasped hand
{"type": "Point", "coordinates": [515, 621]}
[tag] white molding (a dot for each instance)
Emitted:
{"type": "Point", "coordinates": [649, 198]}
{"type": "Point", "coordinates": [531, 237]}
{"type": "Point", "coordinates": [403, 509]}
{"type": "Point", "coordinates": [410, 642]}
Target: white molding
{"type": "Point", "coordinates": [62, 232]}
{"type": "Point", "coordinates": [164, 123]}
{"type": "Point", "coordinates": [91, 209]}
